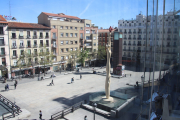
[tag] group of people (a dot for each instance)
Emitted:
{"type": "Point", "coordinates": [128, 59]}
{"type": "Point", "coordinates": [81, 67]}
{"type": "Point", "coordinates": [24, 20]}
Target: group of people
{"type": "Point", "coordinates": [7, 86]}
{"type": "Point", "coordinates": [72, 79]}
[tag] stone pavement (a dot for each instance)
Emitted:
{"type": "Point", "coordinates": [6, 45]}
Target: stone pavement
{"type": "Point", "coordinates": [34, 95]}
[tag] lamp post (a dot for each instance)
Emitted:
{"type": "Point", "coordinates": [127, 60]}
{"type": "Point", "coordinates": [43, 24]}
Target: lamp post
{"type": "Point", "coordinates": [95, 105]}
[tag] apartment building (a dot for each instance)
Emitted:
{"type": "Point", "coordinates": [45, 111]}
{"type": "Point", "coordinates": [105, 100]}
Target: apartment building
{"type": "Point", "coordinates": [4, 49]}
{"type": "Point", "coordinates": [134, 39]}
{"type": "Point", "coordinates": [30, 38]}
{"type": "Point", "coordinates": [68, 34]}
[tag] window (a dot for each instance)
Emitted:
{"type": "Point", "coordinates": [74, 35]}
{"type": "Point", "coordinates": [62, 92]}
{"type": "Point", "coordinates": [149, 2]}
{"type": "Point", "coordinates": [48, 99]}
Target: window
{"type": "Point", "coordinates": [67, 42]}
{"type": "Point", "coordinates": [67, 57]}
{"type": "Point", "coordinates": [71, 49]}
{"type": "Point", "coordinates": [75, 42]}
{"type": "Point", "coordinates": [35, 42]}
{"type": "Point", "coordinates": [67, 49]}
{"type": "Point", "coordinates": [22, 52]}
{"type": "Point", "coordinates": [62, 50]}
{"type": "Point", "coordinates": [61, 27]}
{"type": "Point", "coordinates": [14, 52]}
{"type": "Point", "coordinates": [75, 49]}
{"type": "Point", "coordinates": [21, 43]}
{"type": "Point", "coordinates": [71, 34]}
{"type": "Point", "coordinates": [71, 42]}
{"type": "Point", "coordinates": [94, 50]}
{"type": "Point", "coordinates": [54, 35]}
{"type": "Point", "coordinates": [62, 57]}
{"type": "Point", "coordinates": [71, 56]}
{"type": "Point", "coordinates": [94, 37]}
{"type": "Point", "coordinates": [75, 28]}
{"type": "Point", "coordinates": [14, 43]}
{"type": "Point", "coordinates": [28, 34]}
{"type": "Point", "coordinates": [21, 33]}
{"type": "Point", "coordinates": [75, 34]}
{"type": "Point", "coordinates": [15, 62]}
{"type": "Point", "coordinates": [87, 31]}
{"type": "Point", "coordinates": [81, 35]}
{"type": "Point", "coordinates": [87, 37]}
{"type": "Point", "coordinates": [94, 44]}
{"type": "Point", "coordinates": [139, 24]}
{"type": "Point", "coordinates": [47, 43]}
{"type": "Point", "coordinates": [66, 34]}
{"type": "Point", "coordinates": [41, 34]}
{"type": "Point", "coordinates": [71, 28]}
{"type": "Point", "coordinates": [53, 26]}
{"type": "Point", "coordinates": [81, 28]}
{"type": "Point", "coordinates": [87, 25]}
{"type": "Point", "coordinates": [61, 34]}
{"type": "Point", "coordinates": [66, 27]}
{"type": "Point", "coordinates": [62, 42]}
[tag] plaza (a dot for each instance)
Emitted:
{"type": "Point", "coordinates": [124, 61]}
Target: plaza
{"type": "Point", "coordinates": [34, 95]}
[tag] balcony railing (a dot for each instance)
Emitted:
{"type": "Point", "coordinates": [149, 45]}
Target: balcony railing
{"type": "Point", "coordinates": [54, 38]}
{"type": "Point", "coordinates": [129, 44]}
{"type": "Point", "coordinates": [41, 45]}
{"type": "Point", "coordinates": [144, 38]}
{"type": "Point", "coordinates": [134, 44]}
{"type": "Point", "coordinates": [174, 45]}
{"type": "Point", "coordinates": [169, 32]}
{"type": "Point", "coordinates": [54, 46]}
{"type": "Point", "coordinates": [21, 46]}
{"type": "Point", "coordinates": [129, 38]}
{"type": "Point", "coordinates": [139, 32]}
{"type": "Point", "coordinates": [28, 46]}
{"type": "Point", "coordinates": [175, 32]}
{"type": "Point", "coordinates": [40, 37]}
{"type": "Point", "coordinates": [14, 56]}
{"type": "Point", "coordinates": [13, 47]}
{"type": "Point", "coordinates": [124, 44]}
{"type": "Point", "coordinates": [125, 38]}
{"type": "Point", "coordinates": [13, 37]}
{"type": "Point", "coordinates": [2, 54]}
{"type": "Point", "coordinates": [34, 46]}
{"type": "Point", "coordinates": [28, 36]}
{"type": "Point", "coordinates": [2, 44]}
{"type": "Point", "coordinates": [138, 44]}
{"type": "Point", "coordinates": [124, 49]}
{"type": "Point", "coordinates": [167, 45]}
{"type": "Point", "coordinates": [125, 32]}
{"type": "Point", "coordinates": [139, 38]}
{"type": "Point", "coordinates": [47, 45]}
{"type": "Point", "coordinates": [35, 54]}
{"type": "Point", "coordinates": [134, 38]}
{"type": "Point", "coordinates": [175, 39]}
{"type": "Point", "coordinates": [129, 32]}
{"type": "Point", "coordinates": [134, 32]}
{"type": "Point", "coordinates": [1, 32]}
{"type": "Point", "coordinates": [168, 38]}
{"type": "Point", "coordinates": [21, 37]}
{"type": "Point", "coordinates": [35, 37]}
{"type": "Point", "coordinates": [46, 36]}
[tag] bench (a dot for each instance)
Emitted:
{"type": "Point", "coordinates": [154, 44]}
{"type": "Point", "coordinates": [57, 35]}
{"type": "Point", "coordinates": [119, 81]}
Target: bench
{"type": "Point", "coordinates": [97, 110]}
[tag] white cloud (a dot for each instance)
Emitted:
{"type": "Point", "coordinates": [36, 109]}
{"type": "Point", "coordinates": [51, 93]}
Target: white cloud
{"type": "Point", "coordinates": [85, 9]}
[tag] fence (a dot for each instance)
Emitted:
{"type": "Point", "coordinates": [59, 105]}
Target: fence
{"type": "Point", "coordinates": [62, 113]}
{"type": "Point", "coordinates": [14, 109]}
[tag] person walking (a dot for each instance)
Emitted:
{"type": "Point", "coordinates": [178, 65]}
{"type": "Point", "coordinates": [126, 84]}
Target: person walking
{"type": "Point", "coordinates": [7, 87]}
{"type": "Point", "coordinates": [52, 82]}
{"type": "Point", "coordinates": [80, 76]}
{"type": "Point", "coordinates": [16, 82]}
{"type": "Point", "coordinates": [85, 117]}
{"type": "Point", "coordinates": [40, 114]}
{"type": "Point", "coordinates": [15, 85]}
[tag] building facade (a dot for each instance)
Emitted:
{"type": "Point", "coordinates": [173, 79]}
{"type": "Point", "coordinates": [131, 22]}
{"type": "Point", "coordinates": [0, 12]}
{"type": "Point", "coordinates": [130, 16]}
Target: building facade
{"type": "Point", "coordinates": [28, 38]}
{"type": "Point", "coordinates": [4, 49]}
{"type": "Point", "coordinates": [135, 36]}
{"type": "Point", "coordinates": [68, 34]}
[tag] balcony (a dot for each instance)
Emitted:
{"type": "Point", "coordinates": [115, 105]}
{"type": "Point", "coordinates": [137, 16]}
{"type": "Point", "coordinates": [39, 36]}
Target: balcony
{"type": "Point", "coordinates": [124, 44]}
{"type": "Point", "coordinates": [81, 38]}
{"type": "Point", "coordinates": [47, 45]}
{"type": "Point", "coordinates": [54, 46]}
{"type": "Point", "coordinates": [168, 46]}
{"type": "Point", "coordinates": [174, 46]}
{"type": "Point", "coordinates": [129, 32]}
{"type": "Point", "coordinates": [28, 37]}
{"type": "Point", "coordinates": [125, 38]}
{"type": "Point", "coordinates": [14, 56]}
{"type": "Point", "coordinates": [41, 45]}
{"type": "Point", "coordinates": [175, 39]}
{"type": "Point", "coordinates": [54, 38]}
{"type": "Point", "coordinates": [168, 38]}
{"type": "Point", "coordinates": [35, 54]}
{"type": "Point", "coordinates": [144, 38]}
{"type": "Point", "coordinates": [41, 37]}
{"type": "Point", "coordinates": [125, 32]}
{"type": "Point", "coordinates": [138, 44]}
{"type": "Point", "coordinates": [134, 32]}
{"type": "Point", "coordinates": [46, 37]}
{"type": "Point", "coordinates": [1, 32]}
{"type": "Point", "coordinates": [21, 46]}
{"type": "Point", "coordinates": [124, 49]}
{"type": "Point", "coordinates": [35, 37]}
{"type": "Point", "coordinates": [169, 32]}
{"type": "Point", "coordinates": [13, 37]}
{"type": "Point", "coordinates": [21, 37]}
{"type": "Point", "coordinates": [139, 38]}
{"type": "Point", "coordinates": [88, 40]}
{"type": "Point", "coordinates": [129, 38]}
{"type": "Point", "coordinates": [13, 47]}
{"type": "Point", "coordinates": [139, 32]}
{"type": "Point", "coordinates": [34, 46]}
{"type": "Point", "coordinates": [134, 44]}
{"type": "Point", "coordinates": [134, 38]}
{"type": "Point", "coordinates": [2, 54]}
{"type": "Point", "coordinates": [28, 46]}
{"type": "Point", "coordinates": [175, 32]}
{"type": "Point", "coordinates": [2, 44]}
{"type": "Point", "coordinates": [129, 44]}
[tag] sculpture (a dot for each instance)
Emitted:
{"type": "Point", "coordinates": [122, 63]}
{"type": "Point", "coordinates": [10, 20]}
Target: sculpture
{"type": "Point", "coordinates": [108, 67]}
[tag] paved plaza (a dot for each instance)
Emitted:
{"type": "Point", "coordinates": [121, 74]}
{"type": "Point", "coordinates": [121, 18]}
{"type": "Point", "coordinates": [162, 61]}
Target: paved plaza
{"type": "Point", "coordinates": [34, 95]}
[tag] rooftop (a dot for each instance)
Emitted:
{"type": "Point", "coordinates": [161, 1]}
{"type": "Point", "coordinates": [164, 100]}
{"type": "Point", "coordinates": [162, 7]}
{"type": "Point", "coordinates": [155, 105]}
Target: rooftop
{"type": "Point", "coordinates": [2, 20]}
{"type": "Point", "coordinates": [61, 15]}
{"type": "Point", "coordinates": [105, 30]}
{"type": "Point", "coordinates": [27, 25]}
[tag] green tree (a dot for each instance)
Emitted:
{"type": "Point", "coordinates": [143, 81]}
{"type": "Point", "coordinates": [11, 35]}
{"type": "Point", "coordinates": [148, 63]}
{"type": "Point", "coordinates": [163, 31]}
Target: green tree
{"type": "Point", "coordinates": [45, 57]}
{"type": "Point", "coordinates": [73, 57]}
{"type": "Point", "coordinates": [101, 53]}
{"type": "Point", "coordinates": [83, 55]}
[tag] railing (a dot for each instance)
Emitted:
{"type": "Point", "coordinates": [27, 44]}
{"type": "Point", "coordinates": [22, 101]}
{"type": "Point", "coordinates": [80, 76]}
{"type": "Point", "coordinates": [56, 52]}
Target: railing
{"type": "Point", "coordinates": [168, 38]}
{"type": "Point", "coordinates": [35, 37]}
{"type": "Point", "coordinates": [2, 54]}
{"type": "Point", "coordinates": [28, 36]}
{"type": "Point", "coordinates": [129, 32]}
{"type": "Point", "coordinates": [13, 37]}
{"type": "Point", "coordinates": [21, 37]}
{"type": "Point", "coordinates": [175, 39]}
{"type": "Point", "coordinates": [134, 32]}
{"type": "Point", "coordinates": [35, 46]}
{"type": "Point", "coordinates": [21, 46]}
{"type": "Point", "coordinates": [14, 108]}
{"type": "Point", "coordinates": [41, 37]}
{"type": "Point", "coordinates": [13, 47]}
{"type": "Point", "coordinates": [54, 38]}
{"type": "Point", "coordinates": [14, 57]}
{"type": "Point", "coordinates": [46, 36]}
{"type": "Point", "coordinates": [125, 38]}
{"type": "Point", "coordinates": [129, 38]}
{"type": "Point", "coordinates": [134, 38]}
{"type": "Point", "coordinates": [62, 113]}
{"type": "Point", "coordinates": [28, 46]}
{"type": "Point", "coordinates": [125, 32]}
{"type": "Point", "coordinates": [1, 32]}
{"type": "Point", "coordinates": [2, 44]}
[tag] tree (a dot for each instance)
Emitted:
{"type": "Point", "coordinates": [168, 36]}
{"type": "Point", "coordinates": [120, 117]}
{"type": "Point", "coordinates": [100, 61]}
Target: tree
{"type": "Point", "coordinates": [45, 57]}
{"type": "Point", "coordinates": [73, 57]}
{"type": "Point", "coordinates": [101, 53]}
{"type": "Point", "coordinates": [83, 55]}
{"type": "Point", "coordinates": [94, 56]}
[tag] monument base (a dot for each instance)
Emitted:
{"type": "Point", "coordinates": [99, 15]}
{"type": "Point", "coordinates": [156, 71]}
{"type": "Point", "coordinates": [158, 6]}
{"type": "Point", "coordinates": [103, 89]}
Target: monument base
{"type": "Point", "coordinates": [110, 99]}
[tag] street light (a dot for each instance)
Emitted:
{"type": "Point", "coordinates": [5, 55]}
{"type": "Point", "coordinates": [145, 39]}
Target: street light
{"type": "Point", "coordinates": [95, 105]}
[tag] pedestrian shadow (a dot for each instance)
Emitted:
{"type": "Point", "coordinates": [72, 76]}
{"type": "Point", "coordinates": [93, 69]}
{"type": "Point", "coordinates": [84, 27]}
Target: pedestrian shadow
{"type": "Point", "coordinates": [68, 83]}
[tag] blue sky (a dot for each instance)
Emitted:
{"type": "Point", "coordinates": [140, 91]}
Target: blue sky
{"type": "Point", "coordinates": [103, 13]}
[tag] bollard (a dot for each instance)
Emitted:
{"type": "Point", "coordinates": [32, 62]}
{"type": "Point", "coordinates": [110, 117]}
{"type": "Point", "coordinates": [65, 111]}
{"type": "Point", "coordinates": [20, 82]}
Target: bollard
{"type": "Point", "coordinates": [72, 109]}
